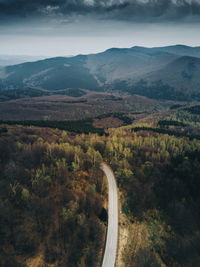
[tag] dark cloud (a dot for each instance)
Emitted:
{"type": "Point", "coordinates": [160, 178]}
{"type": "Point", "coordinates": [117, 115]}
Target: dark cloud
{"type": "Point", "coordinates": [137, 10]}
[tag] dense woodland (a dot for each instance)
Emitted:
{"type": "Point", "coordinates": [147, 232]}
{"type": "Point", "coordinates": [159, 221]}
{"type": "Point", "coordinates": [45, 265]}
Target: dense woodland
{"type": "Point", "coordinates": [159, 175]}
{"type": "Point", "coordinates": [52, 194]}
{"type": "Point", "coordinates": [51, 199]}
{"type": "Point", "coordinates": [157, 90]}
{"type": "Point", "coordinates": [76, 126]}
{"type": "Point", "coordinates": [36, 92]}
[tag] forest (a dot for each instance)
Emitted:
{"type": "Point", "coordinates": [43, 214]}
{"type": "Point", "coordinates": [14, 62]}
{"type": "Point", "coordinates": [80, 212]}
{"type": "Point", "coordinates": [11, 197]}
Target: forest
{"type": "Point", "coordinates": [36, 92]}
{"type": "Point", "coordinates": [53, 195]}
{"type": "Point", "coordinates": [76, 126]}
{"type": "Point", "coordinates": [51, 199]}
{"type": "Point", "coordinates": [159, 177]}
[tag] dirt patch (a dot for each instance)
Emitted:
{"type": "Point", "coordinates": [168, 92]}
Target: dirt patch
{"type": "Point", "coordinates": [123, 239]}
{"type": "Point", "coordinates": [108, 122]}
{"type": "Point", "coordinates": [38, 259]}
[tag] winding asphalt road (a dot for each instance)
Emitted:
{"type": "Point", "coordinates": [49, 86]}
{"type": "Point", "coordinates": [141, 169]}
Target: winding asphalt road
{"type": "Point", "coordinates": [112, 231]}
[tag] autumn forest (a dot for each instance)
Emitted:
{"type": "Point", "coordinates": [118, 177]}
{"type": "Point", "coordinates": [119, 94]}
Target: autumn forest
{"type": "Point", "coordinates": [53, 195]}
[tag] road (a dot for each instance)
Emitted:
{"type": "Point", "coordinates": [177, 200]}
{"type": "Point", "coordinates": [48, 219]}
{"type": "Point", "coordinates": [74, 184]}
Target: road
{"type": "Point", "coordinates": [112, 231]}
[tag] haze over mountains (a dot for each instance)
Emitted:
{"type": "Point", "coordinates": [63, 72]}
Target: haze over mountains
{"type": "Point", "coordinates": [170, 72]}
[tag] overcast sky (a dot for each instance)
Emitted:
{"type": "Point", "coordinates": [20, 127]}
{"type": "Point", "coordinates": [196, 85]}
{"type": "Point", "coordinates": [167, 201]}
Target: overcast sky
{"type": "Point", "coordinates": [69, 27]}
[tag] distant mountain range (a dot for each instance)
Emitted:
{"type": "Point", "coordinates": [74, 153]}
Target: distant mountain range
{"type": "Point", "coordinates": [170, 72]}
{"type": "Point", "coordinates": [6, 60]}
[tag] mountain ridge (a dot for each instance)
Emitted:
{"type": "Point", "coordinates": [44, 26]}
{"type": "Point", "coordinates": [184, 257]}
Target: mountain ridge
{"type": "Point", "coordinates": [106, 70]}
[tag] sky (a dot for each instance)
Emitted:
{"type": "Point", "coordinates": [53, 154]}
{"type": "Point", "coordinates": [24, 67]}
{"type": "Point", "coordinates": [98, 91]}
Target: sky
{"type": "Point", "coordinates": [69, 27]}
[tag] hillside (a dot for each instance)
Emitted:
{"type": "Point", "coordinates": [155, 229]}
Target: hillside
{"type": "Point", "coordinates": [52, 74]}
{"type": "Point", "coordinates": [122, 64]}
{"type": "Point", "coordinates": [177, 80]}
{"type": "Point", "coordinates": [182, 73]}
{"type": "Point", "coordinates": [59, 106]}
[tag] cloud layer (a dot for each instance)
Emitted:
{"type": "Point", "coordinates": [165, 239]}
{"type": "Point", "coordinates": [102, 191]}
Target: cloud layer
{"type": "Point", "coordinates": [137, 10]}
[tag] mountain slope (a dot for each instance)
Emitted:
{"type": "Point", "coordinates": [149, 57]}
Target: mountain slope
{"type": "Point", "coordinates": [115, 63]}
{"type": "Point", "coordinates": [53, 73]}
{"type": "Point", "coordinates": [178, 80]}
{"type": "Point", "coordinates": [183, 73]}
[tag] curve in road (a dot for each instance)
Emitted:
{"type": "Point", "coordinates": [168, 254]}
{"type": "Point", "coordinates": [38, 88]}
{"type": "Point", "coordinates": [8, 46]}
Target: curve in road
{"type": "Point", "coordinates": [112, 231]}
